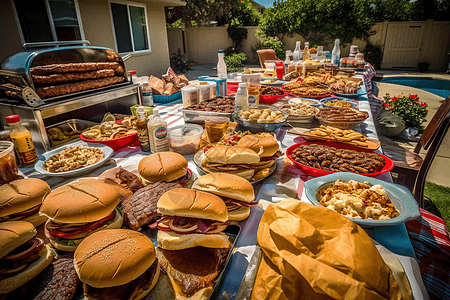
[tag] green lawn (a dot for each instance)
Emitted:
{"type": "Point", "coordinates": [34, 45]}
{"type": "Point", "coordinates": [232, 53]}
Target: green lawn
{"type": "Point", "coordinates": [440, 196]}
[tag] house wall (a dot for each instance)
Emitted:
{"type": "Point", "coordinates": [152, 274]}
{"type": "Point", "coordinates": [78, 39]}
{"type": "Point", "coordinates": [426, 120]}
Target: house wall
{"type": "Point", "coordinates": [98, 29]}
{"type": "Point", "coordinates": [9, 31]}
{"type": "Point", "coordinates": [202, 43]}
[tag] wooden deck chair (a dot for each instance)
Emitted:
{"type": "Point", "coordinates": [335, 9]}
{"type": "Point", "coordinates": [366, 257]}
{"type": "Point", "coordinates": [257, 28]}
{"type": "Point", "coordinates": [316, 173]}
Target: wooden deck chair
{"type": "Point", "coordinates": [412, 171]}
{"type": "Point", "coordinates": [266, 54]}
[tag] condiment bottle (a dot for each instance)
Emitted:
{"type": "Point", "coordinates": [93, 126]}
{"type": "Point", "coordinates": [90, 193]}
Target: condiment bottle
{"type": "Point", "coordinates": [221, 65]}
{"type": "Point", "coordinates": [146, 92]}
{"type": "Point", "coordinates": [21, 138]}
{"type": "Point", "coordinates": [306, 52]}
{"type": "Point", "coordinates": [287, 61]}
{"type": "Point", "coordinates": [134, 77]}
{"type": "Point", "coordinates": [296, 54]}
{"type": "Point", "coordinates": [253, 93]}
{"type": "Point", "coordinates": [336, 53]}
{"type": "Point", "coordinates": [142, 129]}
{"type": "Point", "coordinates": [157, 132]}
{"type": "Point", "coordinates": [241, 98]}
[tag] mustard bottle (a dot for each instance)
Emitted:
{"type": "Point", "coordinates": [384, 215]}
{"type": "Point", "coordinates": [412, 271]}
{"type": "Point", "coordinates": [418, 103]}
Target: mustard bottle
{"type": "Point", "coordinates": [21, 138]}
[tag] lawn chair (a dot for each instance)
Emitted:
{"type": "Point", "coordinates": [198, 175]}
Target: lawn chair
{"type": "Point", "coordinates": [266, 54]}
{"type": "Point", "coordinates": [413, 171]}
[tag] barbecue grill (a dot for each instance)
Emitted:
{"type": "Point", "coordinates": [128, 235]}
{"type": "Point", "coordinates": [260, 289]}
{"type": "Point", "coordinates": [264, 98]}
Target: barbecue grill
{"type": "Point", "coordinates": [19, 93]}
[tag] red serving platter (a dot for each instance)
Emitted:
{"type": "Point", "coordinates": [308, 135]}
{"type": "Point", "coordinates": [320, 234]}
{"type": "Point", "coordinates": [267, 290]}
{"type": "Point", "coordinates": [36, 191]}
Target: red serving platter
{"type": "Point", "coordinates": [317, 172]}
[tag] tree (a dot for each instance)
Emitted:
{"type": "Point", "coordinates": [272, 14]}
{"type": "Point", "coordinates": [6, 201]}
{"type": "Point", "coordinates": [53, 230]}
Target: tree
{"type": "Point", "coordinates": [343, 19]}
{"type": "Point", "coordinates": [199, 12]}
{"type": "Point", "coordinates": [244, 14]}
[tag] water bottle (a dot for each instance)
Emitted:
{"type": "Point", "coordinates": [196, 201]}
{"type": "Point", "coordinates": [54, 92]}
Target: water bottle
{"type": "Point", "coordinates": [221, 66]}
{"type": "Point", "coordinates": [336, 53]}
{"type": "Point", "coordinates": [297, 52]}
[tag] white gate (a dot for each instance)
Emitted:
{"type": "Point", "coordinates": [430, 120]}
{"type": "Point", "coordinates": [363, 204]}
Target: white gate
{"type": "Point", "coordinates": [403, 45]}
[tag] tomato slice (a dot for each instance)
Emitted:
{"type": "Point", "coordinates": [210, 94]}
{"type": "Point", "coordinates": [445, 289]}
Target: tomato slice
{"type": "Point", "coordinates": [85, 228]}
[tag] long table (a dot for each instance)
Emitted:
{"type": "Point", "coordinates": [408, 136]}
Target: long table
{"type": "Point", "coordinates": [286, 182]}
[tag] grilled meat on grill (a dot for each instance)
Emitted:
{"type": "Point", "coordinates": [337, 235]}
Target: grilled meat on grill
{"type": "Point", "coordinates": [73, 67]}
{"type": "Point", "coordinates": [40, 80]}
{"type": "Point", "coordinates": [57, 90]}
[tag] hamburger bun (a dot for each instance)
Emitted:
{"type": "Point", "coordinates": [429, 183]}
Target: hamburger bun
{"type": "Point", "coordinates": [13, 234]}
{"type": "Point", "coordinates": [194, 204]}
{"type": "Point", "coordinates": [226, 185]}
{"type": "Point", "coordinates": [165, 166]}
{"type": "Point", "coordinates": [173, 241]}
{"type": "Point", "coordinates": [113, 257]}
{"type": "Point", "coordinates": [11, 283]}
{"type": "Point", "coordinates": [21, 195]}
{"type": "Point", "coordinates": [239, 214]}
{"type": "Point", "coordinates": [80, 202]}
{"type": "Point", "coordinates": [263, 165]}
{"type": "Point", "coordinates": [62, 245]}
{"type": "Point", "coordinates": [256, 142]}
{"type": "Point", "coordinates": [231, 155]}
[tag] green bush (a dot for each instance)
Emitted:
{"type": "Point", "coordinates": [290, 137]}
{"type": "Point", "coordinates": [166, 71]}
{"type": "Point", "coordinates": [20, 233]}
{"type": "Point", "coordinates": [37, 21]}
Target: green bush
{"type": "Point", "coordinates": [374, 55]}
{"type": "Point", "coordinates": [269, 42]}
{"type": "Point", "coordinates": [237, 33]}
{"type": "Point", "coordinates": [235, 62]}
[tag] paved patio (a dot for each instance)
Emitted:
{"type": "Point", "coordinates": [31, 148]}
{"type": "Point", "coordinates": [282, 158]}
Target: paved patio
{"type": "Point", "coordinates": [440, 169]}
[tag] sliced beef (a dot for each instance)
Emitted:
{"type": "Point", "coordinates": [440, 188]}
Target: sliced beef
{"type": "Point", "coordinates": [140, 209]}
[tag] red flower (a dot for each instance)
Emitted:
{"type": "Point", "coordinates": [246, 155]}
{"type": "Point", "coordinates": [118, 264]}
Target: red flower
{"type": "Point", "coordinates": [406, 105]}
{"type": "Point", "coordinates": [426, 111]}
{"type": "Point", "coordinates": [386, 104]}
{"type": "Point", "coordinates": [391, 108]}
{"type": "Point", "coordinates": [394, 99]}
{"type": "Point", "coordinates": [423, 104]}
{"type": "Point", "coordinates": [417, 102]}
{"type": "Point", "coordinates": [413, 96]}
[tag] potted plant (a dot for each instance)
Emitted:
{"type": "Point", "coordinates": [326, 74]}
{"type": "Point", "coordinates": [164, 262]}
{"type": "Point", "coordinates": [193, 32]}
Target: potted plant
{"type": "Point", "coordinates": [423, 67]}
{"type": "Point", "coordinates": [408, 108]}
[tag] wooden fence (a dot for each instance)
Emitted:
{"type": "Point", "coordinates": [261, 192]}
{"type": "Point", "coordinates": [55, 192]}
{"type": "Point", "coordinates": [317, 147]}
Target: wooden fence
{"type": "Point", "coordinates": [404, 44]}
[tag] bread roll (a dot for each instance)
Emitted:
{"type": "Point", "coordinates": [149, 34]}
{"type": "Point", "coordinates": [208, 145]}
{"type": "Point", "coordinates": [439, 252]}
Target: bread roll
{"type": "Point", "coordinates": [226, 185]}
{"type": "Point", "coordinates": [165, 166]}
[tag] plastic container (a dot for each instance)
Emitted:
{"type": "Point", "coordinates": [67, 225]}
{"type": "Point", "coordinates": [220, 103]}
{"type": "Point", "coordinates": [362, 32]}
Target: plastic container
{"type": "Point", "coordinates": [221, 65]}
{"type": "Point", "coordinates": [166, 98]}
{"type": "Point", "coordinates": [221, 84]}
{"type": "Point", "coordinates": [212, 89]}
{"type": "Point", "coordinates": [8, 163]}
{"type": "Point", "coordinates": [157, 132]}
{"type": "Point", "coordinates": [259, 127]}
{"type": "Point", "coordinates": [190, 95]}
{"type": "Point", "coordinates": [241, 98]}
{"type": "Point", "coordinates": [204, 92]}
{"type": "Point", "coordinates": [134, 78]}
{"type": "Point", "coordinates": [115, 144]}
{"type": "Point", "coordinates": [185, 139]}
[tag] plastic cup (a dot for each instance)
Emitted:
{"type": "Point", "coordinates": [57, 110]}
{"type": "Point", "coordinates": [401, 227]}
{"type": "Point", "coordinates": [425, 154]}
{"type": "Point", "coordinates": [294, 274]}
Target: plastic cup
{"type": "Point", "coordinates": [8, 162]}
{"type": "Point", "coordinates": [216, 127]}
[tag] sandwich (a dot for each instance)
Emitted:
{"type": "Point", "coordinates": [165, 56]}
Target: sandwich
{"type": "Point", "coordinates": [21, 200]}
{"type": "Point", "coordinates": [191, 245]}
{"type": "Point", "coordinates": [79, 209]}
{"type": "Point", "coordinates": [268, 145]}
{"type": "Point", "coordinates": [235, 191]}
{"type": "Point", "coordinates": [22, 256]}
{"type": "Point", "coordinates": [239, 161]}
{"type": "Point", "coordinates": [117, 264]}
{"type": "Point", "coordinates": [163, 166]}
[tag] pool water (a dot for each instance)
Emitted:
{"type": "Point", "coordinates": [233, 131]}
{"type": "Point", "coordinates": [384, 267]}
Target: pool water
{"type": "Point", "coordinates": [438, 87]}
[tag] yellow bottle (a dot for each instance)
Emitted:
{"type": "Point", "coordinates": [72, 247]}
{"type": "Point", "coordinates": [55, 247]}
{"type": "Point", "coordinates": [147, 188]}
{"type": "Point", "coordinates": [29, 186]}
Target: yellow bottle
{"type": "Point", "coordinates": [21, 138]}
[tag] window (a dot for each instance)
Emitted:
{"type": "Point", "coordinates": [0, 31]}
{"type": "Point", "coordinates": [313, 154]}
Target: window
{"type": "Point", "coordinates": [48, 20]}
{"type": "Point", "coordinates": [130, 27]}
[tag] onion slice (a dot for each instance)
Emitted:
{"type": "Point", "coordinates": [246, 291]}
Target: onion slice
{"type": "Point", "coordinates": [182, 229]}
{"type": "Point", "coordinates": [26, 250]}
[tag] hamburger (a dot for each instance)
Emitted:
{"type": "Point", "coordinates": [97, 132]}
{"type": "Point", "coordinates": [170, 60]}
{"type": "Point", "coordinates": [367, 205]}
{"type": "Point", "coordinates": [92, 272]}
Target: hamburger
{"type": "Point", "coordinates": [191, 245]}
{"type": "Point", "coordinates": [21, 200]}
{"type": "Point", "coordinates": [79, 209]}
{"type": "Point", "coordinates": [117, 264]}
{"type": "Point", "coordinates": [235, 191]}
{"type": "Point", "coordinates": [236, 160]}
{"type": "Point", "coordinates": [268, 145]}
{"type": "Point", "coordinates": [165, 166]}
{"type": "Point", "coordinates": [22, 256]}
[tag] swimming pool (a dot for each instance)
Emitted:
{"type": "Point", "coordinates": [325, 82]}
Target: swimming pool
{"type": "Point", "coordinates": [438, 87]}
